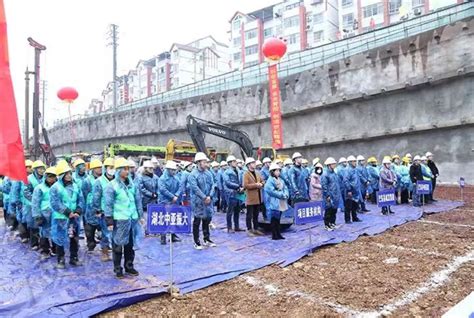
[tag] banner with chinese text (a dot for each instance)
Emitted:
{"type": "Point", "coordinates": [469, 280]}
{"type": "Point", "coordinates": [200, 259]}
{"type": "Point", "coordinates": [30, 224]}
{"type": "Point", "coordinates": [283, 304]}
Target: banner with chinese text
{"type": "Point", "coordinates": [275, 107]}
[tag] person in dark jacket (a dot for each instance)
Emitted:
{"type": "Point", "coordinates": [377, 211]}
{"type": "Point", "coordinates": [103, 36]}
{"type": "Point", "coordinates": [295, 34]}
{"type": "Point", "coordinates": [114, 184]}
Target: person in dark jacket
{"type": "Point", "coordinates": [416, 175]}
{"type": "Point", "coordinates": [434, 171]}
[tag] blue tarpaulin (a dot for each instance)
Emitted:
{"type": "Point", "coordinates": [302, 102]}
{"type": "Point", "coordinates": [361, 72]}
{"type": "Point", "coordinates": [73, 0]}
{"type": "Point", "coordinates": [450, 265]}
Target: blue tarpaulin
{"type": "Point", "coordinates": [33, 288]}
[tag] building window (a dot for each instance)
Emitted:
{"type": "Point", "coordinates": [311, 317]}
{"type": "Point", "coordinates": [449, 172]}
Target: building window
{"type": "Point", "coordinates": [346, 3]}
{"type": "Point", "coordinates": [317, 18]}
{"type": "Point", "coordinates": [175, 54]}
{"type": "Point", "coordinates": [251, 34]}
{"type": "Point", "coordinates": [292, 22]}
{"type": "Point", "coordinates": [418, 3]}
{"type": "Point", "coordinates": [394, 6]}
{"type": "Point", "coordinates": [292, 6]}
{"type": "Point", "coordinates": [237, 41]}
{"type": "Point", "coordinates": [236, 23]}
{"type": "Point", "coordinates": [318, 37]}
{"type": "Point", "coordinates": [373, 9]}
{"type": "Point", "coordinates": [347, 20]}
{"type": "Point", "coordinates": [251, 49]}
{"type": "Point", "coordinates": [236, 56]}
{"type": "Point", "coordinates": [294, 38]}
{"type": "Point", "coordinates": [251, 63]}
{"type": "Point", "coordinates": [267, 32]}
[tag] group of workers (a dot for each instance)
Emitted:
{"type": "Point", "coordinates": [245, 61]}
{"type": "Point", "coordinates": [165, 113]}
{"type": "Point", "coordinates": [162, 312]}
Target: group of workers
{"type": "Point", "coordinates": [108, 201]}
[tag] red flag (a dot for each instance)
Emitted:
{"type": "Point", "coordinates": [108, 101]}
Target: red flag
{"type": "Point", "coordinates": [12, 158]}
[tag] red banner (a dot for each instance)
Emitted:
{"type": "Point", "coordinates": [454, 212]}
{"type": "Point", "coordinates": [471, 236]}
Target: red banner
{"type": "Point", "coordinates": [12, 158]}
{"type": "Point", "coordinates": [275, 107]}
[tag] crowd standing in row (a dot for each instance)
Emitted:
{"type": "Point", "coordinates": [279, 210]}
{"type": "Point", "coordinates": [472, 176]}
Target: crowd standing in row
{"type": "Point", "coordinates": [109, 201]}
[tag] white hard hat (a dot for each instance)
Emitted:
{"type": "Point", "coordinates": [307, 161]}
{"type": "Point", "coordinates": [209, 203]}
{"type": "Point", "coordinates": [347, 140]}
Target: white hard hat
{"type": "Point", "coordinates": [132, 164]}
{"type": "Point", "coordinates": [278, 161]}
{"type": "Point", "coordinates": [274, 166]}
{"type": "Point", "coordinates": [240, 161]}
{"type": "Point", "coordinates": [170, 164]}
{"type": "Point", "coordinates": [287, 162]}
{"type": "Point", "coordinates": [386, 160]}
{"type": "Point", "coordinates": [417, 158]}
{"type": "Point", "coordinates": [315, 161]}
{"type": "Point", "coordinates": [296, 155]}
{"type": "Point", "coordinates": [148, 164]}
{"type": "Point", "coordinates": [428, 154]}
{"type": "Point", "coordinates": [258, 162]}
{"type": "Point", "coordinates": [351, 158]}
{"type": "Point", "coordinates": [154, 160]}
{"type": "Point", "coordinates": [200, 156]}
{"type": "Point", "coordinates": [214, 164]}
{"type": "Point", "coordinates": [267, 160]}
{"type": "Point", "coordinates": [223, 164]}
{"type": "Point", "coordinates": [231, 158]}
{"type": "Point", "coordinates": [249, 160]}
{"type": "Point", "coordinates": [408, 155]}
{"type": "Point", "coordinates": [186, 164]}
{"type": "Point", "coordinates": [319, 165]}
{"type": "Point", "coordinates": [424, 158]}
{"type": "Point", "coordinates": [360, 157]}
{"type": "Point", "coordinates": [330, 161]}
{"type": "Point", "coordinates": [342, 159]}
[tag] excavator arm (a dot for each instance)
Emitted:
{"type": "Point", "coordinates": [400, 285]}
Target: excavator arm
{"type": "Point", "coordinates": [197, 127]}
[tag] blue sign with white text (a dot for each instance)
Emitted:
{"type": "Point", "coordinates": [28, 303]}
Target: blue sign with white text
{"type": "Point", "coordinates": [168, 219]}
{"type": "Point", "coordinates": [423, 187]}
{"type": "Point", "coordinates": [308, 212]}
{"type": "Point", "coordinates": [386, 198]}
{"type": "Point", "coordinates": [462, 182]}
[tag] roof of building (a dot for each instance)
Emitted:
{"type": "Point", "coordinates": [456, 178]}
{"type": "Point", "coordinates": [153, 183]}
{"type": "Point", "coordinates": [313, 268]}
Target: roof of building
{"type": "Point", "coordinates": [263, 14]}
{"type": "Point", "coordinates": [208, 36]}
{"type": "Point", "coordinates": [184, 47]}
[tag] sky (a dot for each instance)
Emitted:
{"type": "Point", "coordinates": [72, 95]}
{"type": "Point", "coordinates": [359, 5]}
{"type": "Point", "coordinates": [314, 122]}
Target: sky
{"type": "Point", "coordinates": [75, 35]}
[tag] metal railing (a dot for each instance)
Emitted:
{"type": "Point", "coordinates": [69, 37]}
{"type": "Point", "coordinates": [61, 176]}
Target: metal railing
{"type": "Point", "coordinates": [308, 59]}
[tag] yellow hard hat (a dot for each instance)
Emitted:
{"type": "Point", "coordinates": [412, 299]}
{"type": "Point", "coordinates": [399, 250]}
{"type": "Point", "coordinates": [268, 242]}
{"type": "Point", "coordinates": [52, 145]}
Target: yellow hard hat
{"type": "Point", "coordinates": [406, 159]}
{"type": "Point", "coordinates": [121, 163]}
{"type": "Point", "coordinates": [396, 157]}
{"type": "Point", "coordinates": [62, 167]}
{"type": "Point", "coordinates": [28, 163]}
{"type": "Point", "coordinates": [51, 170]}
{"type": "Point", "coordinates": [96, 163]}
{"type": "Point", "coordinates": [109, 162]}
{"type": "Point", "coordinates": [372, 159]}
{"type": "Point", "coordinates": [78, 162]}
{"type": "Point", "coordinates": [37, 164]}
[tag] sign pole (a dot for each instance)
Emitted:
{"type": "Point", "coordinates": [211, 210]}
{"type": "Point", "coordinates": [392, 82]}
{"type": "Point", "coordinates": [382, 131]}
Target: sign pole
{"type": "Point", "coordinates": [171, 264]}
{"type": "Point", "coordinates": [462, 194]}
{"type": "Point", "coordinates": [423, 203]}
{"type": "Point", "coordinates": [310, 244]}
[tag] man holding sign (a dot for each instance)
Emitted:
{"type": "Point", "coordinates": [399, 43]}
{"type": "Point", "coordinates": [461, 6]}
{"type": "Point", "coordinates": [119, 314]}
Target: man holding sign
{"type": "Point", "coordinates": [388, 181]}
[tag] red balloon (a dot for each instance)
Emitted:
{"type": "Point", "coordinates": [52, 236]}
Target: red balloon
{"type": "Point", "coordinates": [274, 49]}
{"type": "Point", "coordinates": [68, 94]}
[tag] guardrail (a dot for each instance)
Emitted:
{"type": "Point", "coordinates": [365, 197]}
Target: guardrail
{"type": "Point", "coordinates": [308, 59]}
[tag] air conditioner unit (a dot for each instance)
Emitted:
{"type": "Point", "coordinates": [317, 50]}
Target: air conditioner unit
{"type": "Point", "coordinates": [309, 27]}
{"type": "Point", "coordinates": [314, 2]}
{"type": "Point", "coordinates": [417, 11]}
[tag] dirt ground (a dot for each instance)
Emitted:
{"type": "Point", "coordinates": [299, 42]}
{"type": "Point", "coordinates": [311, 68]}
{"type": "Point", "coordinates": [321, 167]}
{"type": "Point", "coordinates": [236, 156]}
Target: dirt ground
{"type": "Point", "coordinates": [370, 275]}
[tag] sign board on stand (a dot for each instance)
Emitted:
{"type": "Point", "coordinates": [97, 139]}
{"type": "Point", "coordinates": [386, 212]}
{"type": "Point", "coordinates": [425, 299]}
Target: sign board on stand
{"type": "Point", "coordinates": [308, 212]}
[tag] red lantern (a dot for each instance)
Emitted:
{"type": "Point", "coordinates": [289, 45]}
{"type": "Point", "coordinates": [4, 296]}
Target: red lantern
{"type": "Point", "coordinates": [274, 49]}
{"type": "Point", "coordinates": [68, 94]}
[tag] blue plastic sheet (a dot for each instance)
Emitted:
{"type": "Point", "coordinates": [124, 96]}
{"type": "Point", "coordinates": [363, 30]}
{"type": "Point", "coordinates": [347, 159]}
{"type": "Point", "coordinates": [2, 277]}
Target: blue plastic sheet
{"type": "Point", "coordinates": [31, 288]}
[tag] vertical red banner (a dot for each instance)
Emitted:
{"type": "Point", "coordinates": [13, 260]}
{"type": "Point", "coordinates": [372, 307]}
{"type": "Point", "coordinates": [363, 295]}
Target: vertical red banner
{"type": "Point", "coordinates": [275, 107]}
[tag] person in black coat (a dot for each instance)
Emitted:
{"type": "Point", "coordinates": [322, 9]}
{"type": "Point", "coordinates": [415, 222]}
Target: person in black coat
{"type": "Point", "coordinates": [434, 171]}
{"type": "Point", "coordinates": [416, 175]}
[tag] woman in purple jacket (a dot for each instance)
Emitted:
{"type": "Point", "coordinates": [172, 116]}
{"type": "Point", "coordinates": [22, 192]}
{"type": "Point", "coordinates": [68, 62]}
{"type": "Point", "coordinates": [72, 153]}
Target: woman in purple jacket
{"type": "Point", "coordinates": [388, 180]}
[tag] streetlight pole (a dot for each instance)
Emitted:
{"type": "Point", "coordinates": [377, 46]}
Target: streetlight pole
{"type": "Point", "coordinates": [26, 136]}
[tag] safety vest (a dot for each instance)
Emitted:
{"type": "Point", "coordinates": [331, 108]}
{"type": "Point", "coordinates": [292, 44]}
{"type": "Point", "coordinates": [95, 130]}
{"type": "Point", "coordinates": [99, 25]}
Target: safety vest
{"type": "Point", "coordinates": [124, 204]}
{"type": "Point", "coordinates": [44, 205]}
{"type": "Point", "coordinates": [424, 170]}
{"type": "Point", "coordinates": [70, 203]}
{"type": "Point", "coordinates": [103, 184]}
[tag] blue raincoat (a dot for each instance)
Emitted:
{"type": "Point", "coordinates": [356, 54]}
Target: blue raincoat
{"type": "Point", "coordinates": [284, 175]}
{"type": "Point", "coordinates": [148, 186]}
{"type": "Point", "coordinates": [63, 198]}
{"type": "Point", "coordinates": [98, 204]}
{"type": "Point", "coordinates": [184, 186]}
{"type": "Point", "coordinates": [298, 179]}
{"type": "Point", "coordinates": [373, 178]}
{"type": "Point", "coordinates": [78, 178]}
{"type": "Point", "coordinates": [215, 175]}
{"type": "Point", "coordinates": [123, 203]}
{"type": "Point", "coordinates": [231, 184]}
{"type": "Point", "coordinates": [6, 188]}
{"type": "Point", "coordinates": [396, 169]}
{"type": "Point", "coordinates": [168, 187]}
{"type": "Point", "coordinates": [352, 183]}
{"type": "Point", "coordinates": [330, 185]}
{"type": "Point", "coordinates": [34, 180]}
{"type": "Point", "coordinates": [87, 186]}
{"type": "Point", "coordinates": [265, 173]}
{"type": "Point", "coordinates": [201, 185]}
{"type": "Point", "coordinates": [273, 194]}
{"type": "Point", "coordinates": [364, 179]}
{"type": "Point", "coordinates": [16, 205]}
{"type": "Point", "coordinates": [405, 181]}
{"type": "Point", "coordinates": [41, 208]}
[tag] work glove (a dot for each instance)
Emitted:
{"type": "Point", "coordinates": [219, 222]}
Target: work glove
{"type": "Point", "coordinates": [78, 212]}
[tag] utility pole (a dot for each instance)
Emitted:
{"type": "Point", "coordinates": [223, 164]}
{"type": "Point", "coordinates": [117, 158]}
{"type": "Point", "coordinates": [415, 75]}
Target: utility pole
{"type": "Point", "coordinates": [26, 132]}
{"type": "Point", "coordinates": [113, 38]}
{"type": "Point", "coordinates": [36, 114]}
{"type": "Point", "coordinates": [43, 98]}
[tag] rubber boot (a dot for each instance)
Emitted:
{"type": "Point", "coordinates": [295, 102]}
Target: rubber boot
{"type": "Point", "coordinates": [278, 229]}
{"type": "Point", "coordinates": [105, 255]}
{"type": "Point", "coordinates": [274, 229]}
